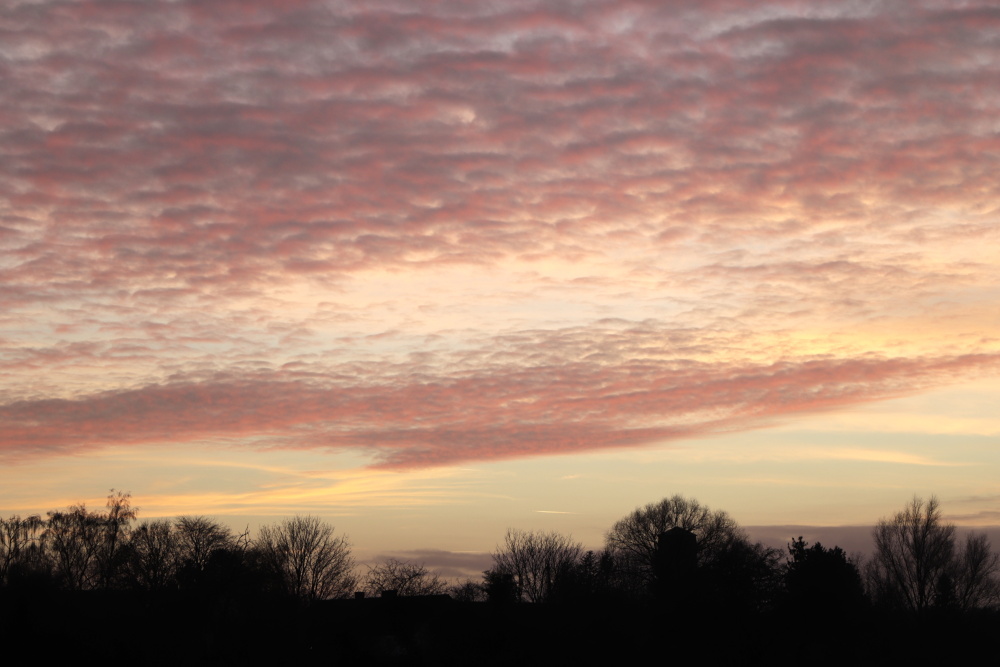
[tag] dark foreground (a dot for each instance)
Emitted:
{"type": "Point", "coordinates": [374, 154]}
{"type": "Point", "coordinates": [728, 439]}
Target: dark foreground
{"type": "Point", "coordinates": [170, 629]}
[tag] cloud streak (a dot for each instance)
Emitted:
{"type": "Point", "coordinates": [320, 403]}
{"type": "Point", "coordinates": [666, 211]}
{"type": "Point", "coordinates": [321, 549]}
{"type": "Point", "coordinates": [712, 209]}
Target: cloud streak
{"type": "Point", "coordinates": [520, 411]}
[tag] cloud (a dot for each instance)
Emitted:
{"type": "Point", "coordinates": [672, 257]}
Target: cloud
{"type": "Point", "coordinates": [216, 149]}
{"type": "Point", "coordinates": [452, 565]}
{"type": "Point", "coordinates": [464, 231]}
{"type": "Point", "coordinates": [854, 540]}
{"type": "Point", "coordinates": [505, 411]}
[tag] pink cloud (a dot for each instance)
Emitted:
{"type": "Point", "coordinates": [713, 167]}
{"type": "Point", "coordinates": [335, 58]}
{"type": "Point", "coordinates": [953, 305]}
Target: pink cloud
{"type": "Point", "coordinates": [167, 170]}
{"type": "Point", "coordinates": [507, 412]}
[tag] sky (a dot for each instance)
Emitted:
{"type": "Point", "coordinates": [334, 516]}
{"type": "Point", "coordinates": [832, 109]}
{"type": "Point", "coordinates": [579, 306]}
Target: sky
{"type": "Point", "coordinates": [434, 269]}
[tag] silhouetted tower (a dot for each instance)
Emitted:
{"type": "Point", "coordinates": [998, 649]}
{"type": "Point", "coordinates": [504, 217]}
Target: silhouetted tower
{"type": "Point", "coordinates": [676, 567]}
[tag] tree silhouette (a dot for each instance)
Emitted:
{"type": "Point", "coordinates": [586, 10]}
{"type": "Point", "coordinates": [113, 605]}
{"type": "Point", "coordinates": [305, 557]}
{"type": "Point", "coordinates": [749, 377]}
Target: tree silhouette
{"type": "Point", "coordinates": [88, 548]}
{"type": "Point", "coordinates": [22, 549]}
{"type": "Point", "coordinates": [531, 561]}
{"type": "Point", "coordinates": [73, 538]}
{"type": "Point", "coordinates": [154, 555]}
{"type": "Point", "coordinates": [312, 563]}
{"type": "Point", "coordinates": [500, 587]}
{"type": "Point", "coordinates": [915, 565]}
{"type": "Point", "coordinates": [468, 591]}
{"type": "Point", "coordinates": [821, 581]}
{"type": "Point", "coordinates": [974, 574]}
{"type": "Point", "coordinates": [591, 578]}
{"type": "Point", "coordinates": [111, 554]}
{"type": "Point", "coordinates": [197, 537]}
{"type": "Point", "coordinates": [913, 551]}
{"type": "Point", "coordinates": [404, 578]}
{"type": "Point", "coordinates": [634, 540]}
{"type": "Point", "coordinates": [742, 577]}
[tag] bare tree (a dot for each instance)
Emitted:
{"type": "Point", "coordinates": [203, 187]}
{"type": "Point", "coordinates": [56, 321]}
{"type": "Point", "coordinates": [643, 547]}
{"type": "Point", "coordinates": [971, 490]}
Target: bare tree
{"type": "Point", "coordinates": [915, 565]}
{"type": "Point", "coordinates": [403, 577]}
{"type": "Point", "coordinates": [21, 546]}
{"type": "Point", "coordinates": [312, 563]}
{"type": "Point", "coordinates": [87, 547]}
{"type": "Point", "coordinates": [197, 537]}
{"type": "Point", "coordinates": [73, 538]}
{"type": "Point", "coordinates": [116, 522]}
{"type": "Point", "coordinates": [155, 555]}
{"type": "Point", "coordinates": [974, 573]}
{"type": "Point", "coordinates": [468, 591]}
{"type": "Point", "coordinates": [533, 560]}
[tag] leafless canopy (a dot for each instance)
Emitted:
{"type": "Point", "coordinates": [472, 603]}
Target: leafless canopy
{"type": "Point", "coordinates": [533, 560]}
{"type": "Point", "coordinates": [975, 573]}
{"type": "Point", "coordinates": [197, 537]}
{"type": "Point", "coordinates": [915, 564]}
{"type": "Point", "coordinates": [155, 555]}
{"type": "Point", "coordinates": [86, 547]}
{"type": "Point", "coordinates": [313, 563]}
{"type": "Point", "coordinates": [403, 577]}
{"type": "Point", "coordinates": [21, 544]}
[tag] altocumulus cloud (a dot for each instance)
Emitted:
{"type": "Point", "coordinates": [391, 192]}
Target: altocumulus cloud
{"type": "Point", "coordinates": [675, 218]}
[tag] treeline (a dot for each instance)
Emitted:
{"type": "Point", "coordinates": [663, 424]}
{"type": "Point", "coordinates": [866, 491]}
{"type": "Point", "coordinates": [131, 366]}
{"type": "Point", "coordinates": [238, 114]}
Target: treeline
{"type": "Point", "coordinates": [83, 550]}
{"type": "Point", "coordinates": [680, 553]}
{"type": "Point", "coordinates": [673, 572]}
{"type": "Point", "coordinates": [674, 552]}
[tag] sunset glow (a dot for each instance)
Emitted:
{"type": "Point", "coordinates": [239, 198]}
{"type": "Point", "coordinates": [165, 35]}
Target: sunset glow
{"type": "Point", "coordinates": [435, 269]}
